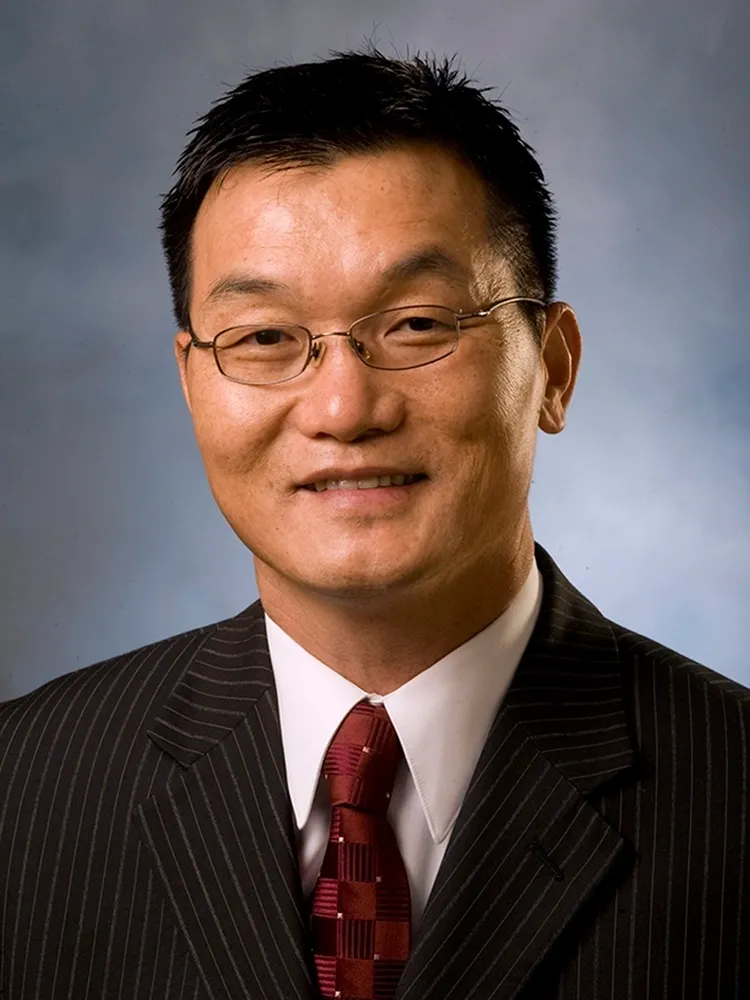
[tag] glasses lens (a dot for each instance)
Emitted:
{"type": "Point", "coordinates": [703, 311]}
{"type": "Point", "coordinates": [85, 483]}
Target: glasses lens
{"type": "Point", "coordinates": [406, 338]}
{"type": "Point", "coordinates": [262, 354]}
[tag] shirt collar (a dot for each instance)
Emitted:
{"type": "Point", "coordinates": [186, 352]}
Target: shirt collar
{"type": "Point", "coordinates": [442, 716]}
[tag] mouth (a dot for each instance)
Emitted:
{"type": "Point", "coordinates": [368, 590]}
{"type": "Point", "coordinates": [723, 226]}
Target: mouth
{"type": "Point", "coordinates": [370, 483]}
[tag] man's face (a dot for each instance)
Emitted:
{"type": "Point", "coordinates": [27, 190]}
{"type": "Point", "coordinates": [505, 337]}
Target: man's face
{"type": "Point", "coordinates": [326, 237]}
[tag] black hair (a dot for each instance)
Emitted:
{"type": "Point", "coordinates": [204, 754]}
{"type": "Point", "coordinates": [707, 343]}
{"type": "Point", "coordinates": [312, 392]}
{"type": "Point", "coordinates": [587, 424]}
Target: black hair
{"type": "Point", "coordinates": [310, 114]}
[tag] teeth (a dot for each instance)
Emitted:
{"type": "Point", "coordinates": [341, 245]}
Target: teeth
{"type": "Point", "coordinates": [363, 484]}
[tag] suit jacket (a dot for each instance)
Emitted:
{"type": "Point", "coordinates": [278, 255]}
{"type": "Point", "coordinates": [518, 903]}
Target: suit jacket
{"type": "Point", "coordinates": [147, 843]}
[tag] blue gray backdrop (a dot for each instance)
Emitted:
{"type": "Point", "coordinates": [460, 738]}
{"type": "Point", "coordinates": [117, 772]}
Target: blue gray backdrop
{"type": "Point", "coordinates": [638, 110]}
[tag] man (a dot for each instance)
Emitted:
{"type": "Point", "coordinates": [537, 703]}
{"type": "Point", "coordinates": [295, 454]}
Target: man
{"type": "Point", "coordinates": [423, 765]}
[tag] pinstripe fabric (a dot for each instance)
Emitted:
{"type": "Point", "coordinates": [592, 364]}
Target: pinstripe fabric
{"type": "Point", "coordinates": [147, 841]}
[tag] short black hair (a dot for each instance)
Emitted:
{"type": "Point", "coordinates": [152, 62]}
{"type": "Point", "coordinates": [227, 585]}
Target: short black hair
{"type": "Point", "coordinates": [310, 114]}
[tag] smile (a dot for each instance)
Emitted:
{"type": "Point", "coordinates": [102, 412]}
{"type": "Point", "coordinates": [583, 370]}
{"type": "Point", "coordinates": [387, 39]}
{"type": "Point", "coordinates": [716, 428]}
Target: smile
{"type": "Point", "coordinates": [371, 483]}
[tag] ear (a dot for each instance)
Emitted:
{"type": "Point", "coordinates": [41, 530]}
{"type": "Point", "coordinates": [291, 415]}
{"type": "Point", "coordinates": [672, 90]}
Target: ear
{"type": "Point", "coordinates": [561, 358]}
{"type": "Point", "coordinates": [181, 352]}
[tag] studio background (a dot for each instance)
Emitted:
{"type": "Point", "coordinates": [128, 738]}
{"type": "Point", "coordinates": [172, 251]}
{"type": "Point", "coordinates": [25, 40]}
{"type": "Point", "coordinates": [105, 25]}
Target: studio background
{"type": "Point", "coordinates": [638, 111]}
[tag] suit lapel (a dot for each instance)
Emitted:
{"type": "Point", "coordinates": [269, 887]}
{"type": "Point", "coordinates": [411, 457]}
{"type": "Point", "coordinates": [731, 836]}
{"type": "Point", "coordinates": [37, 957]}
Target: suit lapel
{"type": "Point", "coordinates": [221, 835]}
{"type": "Point", "coordinates": [528, 849]}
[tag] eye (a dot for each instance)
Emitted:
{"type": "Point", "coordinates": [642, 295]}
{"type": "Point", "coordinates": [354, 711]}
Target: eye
{"type": "Point", "coordinates": [257, 338]}
{"type": "Point", "coordinates": [420, 321]}
{"type": "Point", "coordinates": [268, 337]}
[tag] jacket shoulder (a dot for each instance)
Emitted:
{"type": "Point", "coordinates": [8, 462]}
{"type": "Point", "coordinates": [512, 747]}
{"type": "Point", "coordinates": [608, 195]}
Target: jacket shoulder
{"type": "Point", "coordinates": [648, 656]}
{"type": "Point", "coordinates": [682, 709]}
{"type": "Point", "coordinates": [121, 692]}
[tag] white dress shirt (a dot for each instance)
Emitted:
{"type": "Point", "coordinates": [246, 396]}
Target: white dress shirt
{"type": "Point", "coordinates": [442, 718]}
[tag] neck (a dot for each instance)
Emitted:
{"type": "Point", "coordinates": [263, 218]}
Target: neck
{"type": "Point", "coordinates": [381, 643]}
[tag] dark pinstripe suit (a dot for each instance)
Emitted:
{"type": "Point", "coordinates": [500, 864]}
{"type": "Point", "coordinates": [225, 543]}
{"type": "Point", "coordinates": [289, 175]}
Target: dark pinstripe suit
{"type": "Point", "coordinates": [147, 847]}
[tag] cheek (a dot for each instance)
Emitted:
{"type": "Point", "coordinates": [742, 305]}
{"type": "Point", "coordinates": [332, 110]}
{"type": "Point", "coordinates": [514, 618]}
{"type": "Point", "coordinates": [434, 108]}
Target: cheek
{"type": "Point", "coordinates": [487, 405]}
{"type": "Point", "coordinates": [500, 418]}
{"type": "Point", "coordinates": [231, 428]}
{"type": "Point", "coordinates": [514, 384]}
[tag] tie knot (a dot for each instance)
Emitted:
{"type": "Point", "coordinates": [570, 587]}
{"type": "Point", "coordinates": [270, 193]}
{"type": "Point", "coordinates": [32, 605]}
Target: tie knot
{"type": "Point", "coordinates": [361, 761]}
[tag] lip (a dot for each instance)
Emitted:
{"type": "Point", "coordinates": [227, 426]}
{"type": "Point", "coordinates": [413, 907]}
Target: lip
{"type": "Point", "coordinates": [381, 499]}
{"type": "Point", "coordinates": [366, 473]}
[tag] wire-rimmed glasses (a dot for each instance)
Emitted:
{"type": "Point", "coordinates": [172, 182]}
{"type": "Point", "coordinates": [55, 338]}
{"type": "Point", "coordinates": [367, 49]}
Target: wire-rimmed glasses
{"type": "Point", "coordinates": [392, 340]}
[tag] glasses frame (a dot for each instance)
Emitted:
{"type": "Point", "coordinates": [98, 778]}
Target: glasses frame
{"type": "Point", "coordinates": [313, 349]}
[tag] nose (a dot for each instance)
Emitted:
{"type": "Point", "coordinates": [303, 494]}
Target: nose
{"type": "Point", "coordinates": [346, 399]}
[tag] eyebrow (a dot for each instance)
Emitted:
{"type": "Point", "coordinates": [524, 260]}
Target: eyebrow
{"type": "Point", "coordinates": [428, 260]}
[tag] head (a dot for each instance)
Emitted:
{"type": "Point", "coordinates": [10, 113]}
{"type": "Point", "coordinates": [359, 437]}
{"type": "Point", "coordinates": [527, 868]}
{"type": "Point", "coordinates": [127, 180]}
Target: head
{"type": "Point", "coordinates": [320, 193]}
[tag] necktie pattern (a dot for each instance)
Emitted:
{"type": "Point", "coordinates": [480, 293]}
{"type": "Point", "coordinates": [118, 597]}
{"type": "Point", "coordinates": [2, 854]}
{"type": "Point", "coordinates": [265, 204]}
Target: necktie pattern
{"type": "Point", "coordinates": [361, 905]}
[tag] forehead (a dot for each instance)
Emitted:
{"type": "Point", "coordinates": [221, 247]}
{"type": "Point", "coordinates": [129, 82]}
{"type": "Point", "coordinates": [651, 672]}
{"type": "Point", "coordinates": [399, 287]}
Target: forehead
{"type": "Point", "coordinates": [349, 219]}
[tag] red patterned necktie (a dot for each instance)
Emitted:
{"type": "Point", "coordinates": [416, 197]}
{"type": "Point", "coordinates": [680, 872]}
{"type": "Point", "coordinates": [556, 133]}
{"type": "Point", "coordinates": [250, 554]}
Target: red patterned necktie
{"type": "Point", "coordinates": [361, 906]}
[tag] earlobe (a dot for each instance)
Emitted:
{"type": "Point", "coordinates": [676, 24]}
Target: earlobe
{"type": "Point", "coordinates": [552, 415]}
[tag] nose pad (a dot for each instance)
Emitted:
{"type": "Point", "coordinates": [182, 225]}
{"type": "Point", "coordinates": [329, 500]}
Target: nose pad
{"type": "Point", "coordinates": [359, 348]}
{"type": "Point", "coordinates": [319, 347]}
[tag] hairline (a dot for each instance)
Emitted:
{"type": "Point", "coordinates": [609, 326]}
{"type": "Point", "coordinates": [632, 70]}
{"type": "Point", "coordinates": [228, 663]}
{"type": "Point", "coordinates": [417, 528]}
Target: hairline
{"type": "Point", "coordinates": [328, 159]}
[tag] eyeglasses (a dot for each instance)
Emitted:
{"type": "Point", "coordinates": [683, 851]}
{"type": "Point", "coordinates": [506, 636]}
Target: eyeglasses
{"type": "Point", "coordinates": [393, 340]}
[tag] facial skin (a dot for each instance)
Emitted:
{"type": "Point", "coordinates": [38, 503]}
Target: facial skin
{"type": "Point", "coordinates": [378, 597]}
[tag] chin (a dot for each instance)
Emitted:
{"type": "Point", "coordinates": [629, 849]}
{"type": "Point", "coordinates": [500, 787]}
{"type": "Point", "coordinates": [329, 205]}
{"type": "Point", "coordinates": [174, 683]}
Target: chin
{"type": "Point", "coordinates": [347, 560]}
{"type": "Point", "coordinates": [349, 590]}
{"type": "Point", "coordinates": [346, 578]}
{"type": "Point", "coordinates": [353, 575]}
